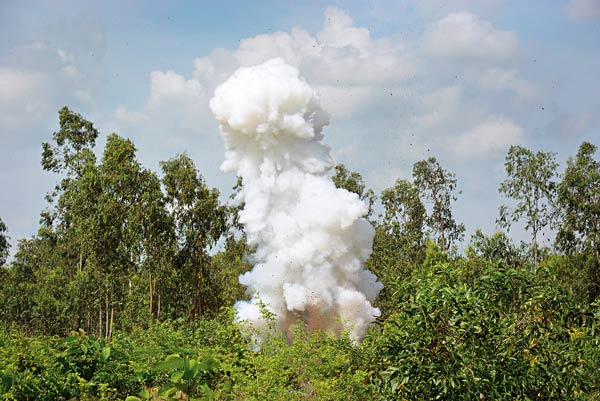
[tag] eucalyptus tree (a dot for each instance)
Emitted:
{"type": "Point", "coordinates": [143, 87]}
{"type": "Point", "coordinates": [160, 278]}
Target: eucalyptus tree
{"type": "Point", "coordinates": [530, 183]}
{"type": "Point", "coordinates": [130, 223]}
{"type": "Point", "coordinates": [398, 246]}
{"type": "Point", "coordinates": [579, 201]}
{"type": "Point", "coordinates": [200, 222]}
{"type": "Point", "coordinates": [108, 223]}
{"type": "Point", "coordinates": [67, 233]}
{"type": "Point", "coordinates": [403, 220]}
{"type": "Point", "coordinates": [71, 156]}
{"type": "Point", "coordinates": [436, 186]}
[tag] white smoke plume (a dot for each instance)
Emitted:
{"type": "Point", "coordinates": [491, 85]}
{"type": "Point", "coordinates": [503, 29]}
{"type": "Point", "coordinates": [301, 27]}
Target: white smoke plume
{"type": "Point", "coordinates": [311, 238]}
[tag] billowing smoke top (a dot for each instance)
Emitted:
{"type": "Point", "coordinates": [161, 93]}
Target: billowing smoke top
{"type": "Point", "coordinates": [311, 240]}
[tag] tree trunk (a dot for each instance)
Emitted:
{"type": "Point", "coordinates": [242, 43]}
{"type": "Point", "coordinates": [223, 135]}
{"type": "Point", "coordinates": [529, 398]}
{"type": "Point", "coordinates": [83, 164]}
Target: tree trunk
{"type": "Point", "coordinates": [106, 311]}
{"type": "Point", "coordinates": [535, 251]}
{"type": "Point", "coordinates": [158, 307]}
{"type": "Point", "coordinates": [151, 295]}
{"type": "Point", "coordinates": [112, 313]}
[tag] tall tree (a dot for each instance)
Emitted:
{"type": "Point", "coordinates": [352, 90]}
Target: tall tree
{"type": "Point", "coordinates": [67, 229]}
{"type": "Point", "coordinates": [200, 221]}
{"type": "Point", "coordinates": [404, 220]}
{"type": "Point", "coordinates": [436, 186]}
{"type": "Point", "coordinates": [531, 185]}
{"type": "Point", "coordinates": [109, 225]}
{"type": "Point", "coordinates": [579, 200]}
{"type": "Point", "coordinates": [73, 158]}
{"type": "Point", "coordinates": [398, 246]}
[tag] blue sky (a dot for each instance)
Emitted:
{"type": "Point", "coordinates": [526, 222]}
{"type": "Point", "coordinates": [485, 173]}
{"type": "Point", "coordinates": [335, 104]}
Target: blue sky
{"type": "Point", "coordinates": [460, 80]}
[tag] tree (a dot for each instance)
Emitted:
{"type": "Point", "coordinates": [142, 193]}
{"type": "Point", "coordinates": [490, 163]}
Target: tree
{"type": "Point", "coordinates": [4, 245]}
{"type": "Point", "coordinates": [404, 219]}
{"type": "Point", "coordinates": [530, 183]}
{"type": "Point", "coordinates": [398, 246]}
{"type": "Point", "coordinates": [497, 247]}
{"type": "Point", "coordinates": [352, 181]}
{"type": "Point", "coordinates": [200, 221]}
{"type": "Point", "coordinates": [108, 231]}
{"type": "Point", "coordinates": [579, 200]}
{"type": "Point", "coordinates": [131, 221]}
{"type": "Point", "coordinates": [436, 186]}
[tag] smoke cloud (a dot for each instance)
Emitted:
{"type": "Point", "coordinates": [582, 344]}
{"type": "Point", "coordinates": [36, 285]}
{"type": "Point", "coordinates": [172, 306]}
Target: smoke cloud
{"type": "Point", "coordinates": [311, 238]}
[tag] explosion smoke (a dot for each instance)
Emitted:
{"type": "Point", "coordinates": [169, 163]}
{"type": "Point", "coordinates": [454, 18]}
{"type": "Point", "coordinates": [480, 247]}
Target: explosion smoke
{"type": "Point", "coordinates": [310, 237]}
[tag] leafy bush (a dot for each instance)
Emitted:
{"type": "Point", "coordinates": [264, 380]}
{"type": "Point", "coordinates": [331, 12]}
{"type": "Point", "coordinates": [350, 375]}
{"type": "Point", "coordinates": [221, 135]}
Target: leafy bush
{"type": "Point", "coordinates": [508, 335]}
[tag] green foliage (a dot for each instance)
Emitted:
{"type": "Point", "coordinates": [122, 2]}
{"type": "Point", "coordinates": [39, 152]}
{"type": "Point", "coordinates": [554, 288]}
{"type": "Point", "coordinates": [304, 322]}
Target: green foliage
{"type": "Point", "coordinates": [404, 220]}
{"type": "Point", "coordinates": [506, 335]}
{"type": "Point", "coordinates": [529, 183]}
{"type": "Point", "coordinates": [436, 186]}
{"type": "Point", "coordinates": [73, 143]}
{"type": "Point", "coordinates": [185, 375]}
{"type": "Point", "coordinates": [580, 275]}
{"type": "Point", "coordinates": [579, 199]}
{"type": "Point", "coordinates": [200, 221]}
{"type": "Point", "coordinates": [4, 245]}
{"type": "Point", "coordinates": [398, 246]}
{"type": "Point", "coordinates": [6, 381]}
{"type": "Point", "coordinates": [496, 248]}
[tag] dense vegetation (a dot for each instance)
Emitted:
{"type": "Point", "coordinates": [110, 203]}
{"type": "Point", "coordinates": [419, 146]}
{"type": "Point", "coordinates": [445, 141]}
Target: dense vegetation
{"type": "Point", "coordinates": [127, 289]}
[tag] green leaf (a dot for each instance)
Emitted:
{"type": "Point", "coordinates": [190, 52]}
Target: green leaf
{"type": "Point", "coordinates": [209, 363]}
{"type": "Point", "coordinates": [105, 353]}
{"type": "Point", "coordinates": [171, 362]}
{"type": "Point", "coordinates": [191, 370]}
{"type": "Point", "coordinates": [168, 391]}
{"type": "Point", "coordinates": [177, 376]}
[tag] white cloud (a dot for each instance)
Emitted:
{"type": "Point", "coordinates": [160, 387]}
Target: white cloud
{"type": "Point", "coordinates": [65, 56]}
{"type": "Point", "coordinates": [466, 35]}
{"type": "Point", "coordinates": [127, 117]}
{"type": "Point", "coordinates": [499, 79]}
{"type": "Point", "coordinates": [342, 61]}
{"type": "Point", "coordinates": [584, 9]}
{"type": "Point", "coordinates": [167, 87]}
{"type": "Point", "coordinates": [181, 101]}
{"type": "Point", "coordinates": [22, 97]}
{"type": "Point", "coordinates": [343, 102]}
{"type": "Point", "coordinates": [439, 107]}
{"type": "Point", "coordinates": [488, 139]}
{"type": "Point", "coordinates": [292, 47]}
{"type": "Point", "coordinates": [355, 72]}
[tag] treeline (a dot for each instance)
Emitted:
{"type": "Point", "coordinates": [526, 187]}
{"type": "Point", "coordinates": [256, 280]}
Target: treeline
{"type": "Point", "coordinates": [118, 246]}
{"type": "Point", "coordinates": [138, 266]}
